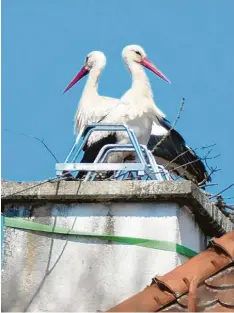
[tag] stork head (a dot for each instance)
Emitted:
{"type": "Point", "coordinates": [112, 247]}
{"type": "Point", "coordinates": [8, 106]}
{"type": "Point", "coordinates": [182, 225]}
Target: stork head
{"type": "Point", "coordinates": [135, 53]}
{"type": "Point", "coordinates": [94, 60]}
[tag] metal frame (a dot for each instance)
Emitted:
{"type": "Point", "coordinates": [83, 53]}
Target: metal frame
{"type": "Point", "coordinates": [145, 169]}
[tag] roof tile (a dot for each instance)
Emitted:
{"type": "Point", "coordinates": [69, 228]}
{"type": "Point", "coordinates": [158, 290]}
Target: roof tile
{"type": "Point", "coordinates": [205, 264]}
{"type": "Point", "coordinates": [218, 308]}
{"type": "Point", "coordinates": [205, 282]}
{"type": "Point", "coordinates": [226, 298]}
{"type": "Point", "coordinates": [225, 243]}
{"type": "Point", "coordinates": [222, 280]}
{"type": "Point", "coordinates": [204, 297]}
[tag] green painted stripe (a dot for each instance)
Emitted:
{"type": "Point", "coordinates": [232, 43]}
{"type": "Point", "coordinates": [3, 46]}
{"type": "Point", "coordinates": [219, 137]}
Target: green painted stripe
{"type": "Point", "coordinates": [21, 223]}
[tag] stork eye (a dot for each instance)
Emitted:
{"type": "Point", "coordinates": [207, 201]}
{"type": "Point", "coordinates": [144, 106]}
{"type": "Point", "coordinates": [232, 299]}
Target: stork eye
{"type": "Point", "coordinates": [86, 60]}
{"type": "Point", "coordinates": [137, 52]}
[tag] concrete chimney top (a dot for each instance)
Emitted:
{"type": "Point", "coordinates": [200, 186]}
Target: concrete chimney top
{"type": "Point", "coordinates": [59, 272]}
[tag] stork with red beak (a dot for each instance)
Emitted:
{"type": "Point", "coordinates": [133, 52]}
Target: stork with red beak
{"type": "Point", "coordinates": [136, 109]}
{"type": "Point", "coordinates": [92, 107]}
{"type": "Point", "coordinates": [173, 151]}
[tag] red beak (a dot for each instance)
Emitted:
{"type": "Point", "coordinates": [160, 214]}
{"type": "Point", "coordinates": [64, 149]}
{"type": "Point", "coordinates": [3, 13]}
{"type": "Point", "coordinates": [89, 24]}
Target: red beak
{"type": "Point", "coordinates": [81, 74]}
{"type": "Point", "coordinates": [148, 64]}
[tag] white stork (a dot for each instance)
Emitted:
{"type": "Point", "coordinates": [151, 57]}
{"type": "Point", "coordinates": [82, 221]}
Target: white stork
{"type": "Point", "coordinates": [91, 107]}
{"type": "Point", "coordinates": [173, 151]}
{"type": "Point", "coordinates": [136, 109]}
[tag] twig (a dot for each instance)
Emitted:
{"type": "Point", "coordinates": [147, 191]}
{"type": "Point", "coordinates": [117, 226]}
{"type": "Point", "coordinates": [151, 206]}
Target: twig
{"type": "Point", "coordinates": [208, 153]}
{"type": "Point", "coordinates": [173, 169]}
{"type": "Point", "coordinates": [214, 157]}
{"type": "Point", "coordinates": [207, 185]}
{"type": "Point", "coordinates": [176, 158]}
{"type": "Point", "coordinates": [191, 162]}
{"type": "Point", "coordinates": [54, 179]}
{"type": "Point", "coordinates": [228, 198]}
{"type": "Point", "coordinates": [230, 207]}
{"type": "Point", "coordinates": [31, 187]}
{"type": "Point", "coordinates": [207, 165]}
{"type": "Point", "coordinates": [172, 126]}
{"type": "Point", "coordinates": [206, 147]}
{"type": "Point", "coordinates": [213, 170]}
{"type": "Point", "coordinates": [34, 137]}
{"type": "Point", "coordinates": [219, 193]}
{"type": "Point", "coordinates": [184, 152]}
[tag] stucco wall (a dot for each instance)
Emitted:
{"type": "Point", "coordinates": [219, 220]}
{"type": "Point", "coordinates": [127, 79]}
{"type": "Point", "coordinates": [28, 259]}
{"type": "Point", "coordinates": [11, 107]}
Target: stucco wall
{"type": "Point", "coordinates": [44, 272]}
{"type": "Point", "coordinates": [63, 273]}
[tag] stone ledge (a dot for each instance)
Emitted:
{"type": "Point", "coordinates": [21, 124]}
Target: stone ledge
{"type": "Point", "coordinates": [211, 220]}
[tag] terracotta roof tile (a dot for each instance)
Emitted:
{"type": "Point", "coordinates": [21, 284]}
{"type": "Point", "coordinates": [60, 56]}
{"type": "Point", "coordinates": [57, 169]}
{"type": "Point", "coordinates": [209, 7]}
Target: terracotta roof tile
{"type": "Point", "coordinates": [204, 297]}
{"type": "Point", "coordinates": [227, 298]}
{"type": "Point", "coordinates": [205, 283]}
{"type": "Point", "coordinates": [224, 279]}
{"type": "Point", "coordinates": [219, 308]}
{"type": "Point", "coordinates": [226, 243]}
{"type": "Point", "coordinates": [215, 292]}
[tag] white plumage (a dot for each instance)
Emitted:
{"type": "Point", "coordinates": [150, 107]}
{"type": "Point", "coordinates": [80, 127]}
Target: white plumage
{"type": "Point", "coordinates": [137, 108]}
{"type": "Point", "coordinates": [173, 150]}
{"type": "Point", "coordinates": [92, 106]}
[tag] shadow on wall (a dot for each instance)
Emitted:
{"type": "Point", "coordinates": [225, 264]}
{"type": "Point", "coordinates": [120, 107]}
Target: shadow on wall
{"type": "Point", "coordinates": [89, 209]}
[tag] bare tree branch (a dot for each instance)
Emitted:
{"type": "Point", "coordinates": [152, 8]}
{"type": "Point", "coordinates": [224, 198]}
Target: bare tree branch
{"type": "Point", "coordinates": [230, 207]}
{"type": "Point", "coordinates": [36, 138]}
{"type": "Point", "coordinates": [208, 146]}
{"type": "Point", "coordinates": [181, 154]}
{"type": "Point", "coordinates": [214, 157]}
{"type": "Point", "coordinates": [204, 158]}
{"type": "Point", "coordinates": [54, 179]}
{"type": "Point", "coordinates": [172, 126]}
{"type": "Point", "coordinates": [219, 193]}
{"type": "Point", "coordinates": [213, 170]}
{"type": "Point", "coordinates": [191, 162]}
{"type": "Point", "coordinates": [207, 185]}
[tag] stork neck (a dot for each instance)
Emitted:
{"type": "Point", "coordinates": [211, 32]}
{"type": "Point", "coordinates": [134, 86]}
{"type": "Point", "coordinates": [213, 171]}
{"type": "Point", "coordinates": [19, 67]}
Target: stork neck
{"type": "Point", "coordinates": [91, 86]}
{"type": "Point", "coordinates": [139, 78]}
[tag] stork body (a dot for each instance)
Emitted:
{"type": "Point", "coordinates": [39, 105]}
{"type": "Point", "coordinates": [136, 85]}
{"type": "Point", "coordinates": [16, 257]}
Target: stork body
{"type": "Point", "coordinates": [136, 108]}
{"type": "Point", "coordinates": [141, 111]}
{"type": "Point", "coordinates": [174, 154]}
{"type": "Point", "coordinates": [173, 151]}
{"type": "Point", "coordinates": [92, 106]}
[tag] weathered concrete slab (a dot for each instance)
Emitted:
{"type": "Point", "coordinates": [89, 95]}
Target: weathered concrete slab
{"type": "Point", "coordinates": [211, 220]}
{"type": "Point", "coordinates": [45, 272]}
{"type": "Point", "coordinates": [94, 191]}
{"type": "Point", "coordinates": [52, 272]}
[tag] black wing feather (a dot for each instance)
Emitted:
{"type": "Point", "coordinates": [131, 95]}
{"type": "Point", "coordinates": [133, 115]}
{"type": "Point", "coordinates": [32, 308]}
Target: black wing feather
{"type": "Point", "coordinates": [173, 146]}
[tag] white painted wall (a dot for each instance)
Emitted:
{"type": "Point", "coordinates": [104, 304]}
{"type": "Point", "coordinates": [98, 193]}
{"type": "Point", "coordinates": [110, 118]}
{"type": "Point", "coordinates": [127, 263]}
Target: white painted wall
{"type": "Point", "coordinates": [58, 273]}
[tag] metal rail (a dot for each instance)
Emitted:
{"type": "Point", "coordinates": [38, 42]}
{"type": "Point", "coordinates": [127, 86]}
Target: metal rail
{"type": "Point", "coordinates": [144, 168]}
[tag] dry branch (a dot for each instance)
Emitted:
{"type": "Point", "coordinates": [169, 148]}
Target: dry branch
{"type": "Point", "coordinates": [213, 170]}
{"type": "Point", "coordinates": [222, 191]}
{"type": "Point", "coordinates": [36, 138]}
{"type": "Point", "coordinates": [172, 126]}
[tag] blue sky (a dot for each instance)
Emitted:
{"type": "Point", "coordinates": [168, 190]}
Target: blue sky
{"type": "Point", "coordinates": [44, 44]}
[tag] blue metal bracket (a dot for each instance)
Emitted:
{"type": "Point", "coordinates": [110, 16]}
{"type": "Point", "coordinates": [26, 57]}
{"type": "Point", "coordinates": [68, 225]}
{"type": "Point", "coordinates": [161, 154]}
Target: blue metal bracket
{"type": "Point", "coordinates": [145, 168]}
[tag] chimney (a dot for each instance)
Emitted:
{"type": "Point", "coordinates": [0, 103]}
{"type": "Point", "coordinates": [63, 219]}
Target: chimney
{"type": "Point", "coordinates": [85, 246]}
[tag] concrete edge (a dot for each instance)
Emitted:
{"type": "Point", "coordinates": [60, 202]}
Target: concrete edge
{"type": "Point", "coordinates": [211, 220]}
